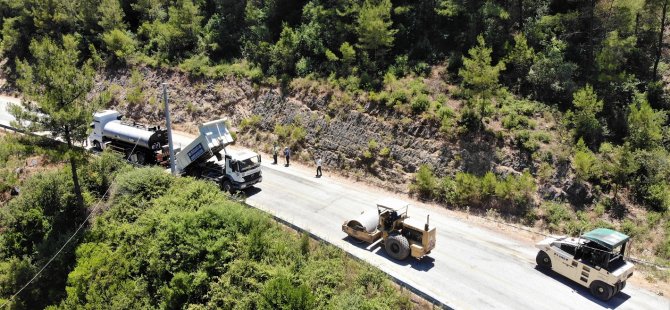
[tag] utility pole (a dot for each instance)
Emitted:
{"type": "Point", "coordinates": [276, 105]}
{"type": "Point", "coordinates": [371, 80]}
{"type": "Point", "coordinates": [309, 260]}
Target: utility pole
{"type": "Point", "coordinates": [169, 128]}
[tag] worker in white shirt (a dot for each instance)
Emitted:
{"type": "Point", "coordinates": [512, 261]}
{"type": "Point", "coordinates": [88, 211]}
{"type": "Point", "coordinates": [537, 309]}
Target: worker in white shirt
{"type": "Point", "coordinates": [318, 167]}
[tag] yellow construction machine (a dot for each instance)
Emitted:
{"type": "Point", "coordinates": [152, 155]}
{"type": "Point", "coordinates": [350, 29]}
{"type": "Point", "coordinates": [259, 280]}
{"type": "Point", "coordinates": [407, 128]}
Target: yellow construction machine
{"type": "Point", "coordinates": [401, 235]}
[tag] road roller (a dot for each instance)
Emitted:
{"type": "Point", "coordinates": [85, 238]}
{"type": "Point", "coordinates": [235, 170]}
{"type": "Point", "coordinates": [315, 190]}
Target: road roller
{"type": "Point", "coordinates": [400, 235]}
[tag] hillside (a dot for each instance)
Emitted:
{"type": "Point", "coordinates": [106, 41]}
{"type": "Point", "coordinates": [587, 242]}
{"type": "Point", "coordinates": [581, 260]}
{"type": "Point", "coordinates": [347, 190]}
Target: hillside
{"type": "Point", "coordinates": [551, 114]}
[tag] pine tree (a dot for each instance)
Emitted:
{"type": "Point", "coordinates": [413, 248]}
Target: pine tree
{"type": "Point", "coordinates": [55, 86]}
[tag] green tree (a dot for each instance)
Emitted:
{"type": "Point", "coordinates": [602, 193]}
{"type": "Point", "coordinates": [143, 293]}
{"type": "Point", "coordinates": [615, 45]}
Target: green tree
{"type": "Point", "coordinates": [518, 61]}
{"type": "Point", "coordinates": [551, 76]}
{"type": "Point", "coordinates": [120, 44]}
{"type": "Point", "coordinates": [177, 36]}
{"type": "Point", "coordinates": [584, 119]}
{"type": "Point", "coordinates": [111, 15]}
{"type": "Point", "coordinates": [480, 81]}
{"type": "Point", "coordinates": [645, 125]}
{"type": "Point", "coordinates": [480, 76]}
{"type": "Point", "coordinates": [55, 86]}
{"type": "Point", "coordinates": [374, 27]}
{"type": "Point", "coordinates": [614, 54]}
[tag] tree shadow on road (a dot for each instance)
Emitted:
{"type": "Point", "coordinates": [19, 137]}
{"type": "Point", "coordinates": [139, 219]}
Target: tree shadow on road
{"type": "Point", "coordinates": [424, 264]}
{"type": "Point", "coordinates": [616, 301]}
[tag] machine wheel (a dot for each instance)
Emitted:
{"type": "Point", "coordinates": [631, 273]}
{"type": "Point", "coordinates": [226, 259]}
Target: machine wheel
{"type": "Point", "coordinates": [601, 290]}
{"type": "Point", "coordinates": [226, 186]}
{"type": "Point", "coordinates": [543, 260]}
{"type": "Point", "coordinates": [96, 145]}
{"type": "Point", "coordinates": [140, 159]}
{"type": "Point", "coordinates": [397, 246]}
{"type": "Point", "coordinates": [623, 284]}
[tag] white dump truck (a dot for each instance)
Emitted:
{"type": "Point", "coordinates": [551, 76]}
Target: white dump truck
{"type": "Point", "coordinates": [235, 170]}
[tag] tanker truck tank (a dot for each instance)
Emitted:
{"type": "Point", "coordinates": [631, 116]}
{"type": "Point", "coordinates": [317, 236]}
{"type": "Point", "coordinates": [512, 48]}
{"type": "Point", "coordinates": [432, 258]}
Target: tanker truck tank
{"type": "Point", "coordinates": [139, 144]}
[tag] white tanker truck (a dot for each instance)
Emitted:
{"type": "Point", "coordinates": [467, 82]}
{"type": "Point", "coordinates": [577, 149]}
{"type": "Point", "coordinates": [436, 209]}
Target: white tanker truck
{"type": "Point", "coordinates": [201, 158]}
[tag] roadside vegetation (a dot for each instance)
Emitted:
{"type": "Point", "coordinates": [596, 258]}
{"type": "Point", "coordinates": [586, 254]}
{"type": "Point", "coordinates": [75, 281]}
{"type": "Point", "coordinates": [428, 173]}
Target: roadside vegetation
{"type": "Point", "coordinates": [576, 89]}
{"type": "Point", "coordinates": [156, 241]}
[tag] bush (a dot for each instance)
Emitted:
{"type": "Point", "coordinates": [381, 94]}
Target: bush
{"type": "Point", "coordinates": [280, 293]}
{"type": "Point", "coordinates": [250, 123]}
{"type": "Point", "coordinates": [197, 65]}
{"type": "Point", "coordinates": [120, 44]}
{"type": "Point", "coordinates": [98, 174]}
{"type": "Point", "coordinates": [658, 196]}
{"type": "Point", "coordinates": [420, 103]}
{"type": "Point", "coordinates": [585, 163]}
{"type": "Point", "coordinates": [556, 215]}
{"type": "Point", "coordinates": [291, 134]}
{"type": "Point", "coordinates": [424, 181]}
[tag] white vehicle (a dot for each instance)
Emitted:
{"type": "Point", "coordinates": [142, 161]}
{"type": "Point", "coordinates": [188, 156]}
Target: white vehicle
{"type": "Point", "coordinates": [140, 144]}
{"type": "Point", "coordinates": [148, 145]}
{"type": "Point", "coordinates": [595, 260]}
{"type": "Point", "coordinates": [233, 171]}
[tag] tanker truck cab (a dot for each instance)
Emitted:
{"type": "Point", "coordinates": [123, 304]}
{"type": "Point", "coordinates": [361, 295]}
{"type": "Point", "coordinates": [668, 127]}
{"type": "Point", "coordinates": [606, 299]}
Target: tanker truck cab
{"type": "Point", "coordinates": [100, 119]}
{"type": "Point", "coordinates": [242, 170]}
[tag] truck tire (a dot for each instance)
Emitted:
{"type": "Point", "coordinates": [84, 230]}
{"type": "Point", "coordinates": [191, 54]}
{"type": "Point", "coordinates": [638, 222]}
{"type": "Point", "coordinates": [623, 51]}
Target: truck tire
{"type": "Point", "coordinates": [96, 146]}
{"type": "Point", "coordinates": [601, 290]}
{"type": "Point", "coordinates": [397, 246]}
{"type": "Point", "coordinates": [543, 260]}
{"type": "Point", "coordinates": [226, 186]}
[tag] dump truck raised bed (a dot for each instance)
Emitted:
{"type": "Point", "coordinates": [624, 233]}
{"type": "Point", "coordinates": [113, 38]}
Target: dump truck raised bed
{"type": "Point", "coordinates": [595, 260]}
{"type": "Point", "coordinates": [201, 158]}
{"type": "Point", "coordinates": [232, 171]}
{"type": "Point", "coordinates": [402, 236]}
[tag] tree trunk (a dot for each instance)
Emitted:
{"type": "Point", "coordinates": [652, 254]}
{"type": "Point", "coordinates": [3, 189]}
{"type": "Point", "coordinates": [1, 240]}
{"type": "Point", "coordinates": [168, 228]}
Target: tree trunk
{"type": "Point", "coordinates": [659, 50]}
{"type": "Point", "coordinates": [520, 9]}
{"type": "Point", "coordinates": [590, 52]}
{"type": "Point", "coordinates": [73, 166]}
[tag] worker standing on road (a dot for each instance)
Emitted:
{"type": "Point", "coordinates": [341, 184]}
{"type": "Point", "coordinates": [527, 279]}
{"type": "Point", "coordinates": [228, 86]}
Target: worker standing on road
{"type": "Point", "coordinates": [318, 167]}
{"type": "Point", "coordinates": [287, 153]}
{"type": "Point", "coordinates": [275, 151]}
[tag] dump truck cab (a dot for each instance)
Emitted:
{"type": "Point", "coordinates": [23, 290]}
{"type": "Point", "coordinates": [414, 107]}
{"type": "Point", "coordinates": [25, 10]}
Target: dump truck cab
{"type": "Point", "coordinates": [401, 235]}
{"type": "Point", "coordinates": [236, 170]}
{"type": "Point", "coordinates": [595, 260]}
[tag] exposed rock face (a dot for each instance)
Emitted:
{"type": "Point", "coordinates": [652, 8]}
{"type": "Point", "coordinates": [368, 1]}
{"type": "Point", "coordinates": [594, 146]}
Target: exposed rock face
{"type": "Point", "coordinates": [340, 136]}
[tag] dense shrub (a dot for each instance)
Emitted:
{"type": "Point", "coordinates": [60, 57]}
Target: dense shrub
{"type": "Point", "coordinates": [424, 182]}
{"type": "Point", "coordinates": [191, 247]}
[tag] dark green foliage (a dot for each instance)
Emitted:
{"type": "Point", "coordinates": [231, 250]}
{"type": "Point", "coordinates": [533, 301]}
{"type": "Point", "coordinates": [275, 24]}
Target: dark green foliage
{"type": "Point", "coordinates": [512, 193]}
{"type": "Point", "coordinates": [584, 119]}
{"type": "Point", "coordinates": [280, 293]}
{"type": "Point", "coordinates": [425, 182]}
{"type": "Point", "coordinates": [645, 125]}
{"type": "Point", "coordinates": [35, 225]}
{"type": "Point", "coordinates": [186, 245]}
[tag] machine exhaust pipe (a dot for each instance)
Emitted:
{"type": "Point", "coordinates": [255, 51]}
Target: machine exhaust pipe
{"type": "Point", "coordinates": [427, 221]}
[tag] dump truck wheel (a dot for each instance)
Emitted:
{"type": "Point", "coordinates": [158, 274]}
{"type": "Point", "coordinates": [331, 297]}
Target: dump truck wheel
{"type": "Point", "coordinates": [226, 186]}
{"type": "Point", "coordinates": [397, 247]}
{"type": "Point", "coordinates": [601, 290]}
{"type": "Point", "coordinates": [96, 146]}
{"type": "Point", "coordinates": [543, 260]}
{"type": "Point", "coordinates": [623, 284]}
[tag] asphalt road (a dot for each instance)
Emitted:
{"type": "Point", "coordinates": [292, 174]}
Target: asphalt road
{"type": "Point", "coordinates": [5, 117]}
{"type": "Point", "coordinates": [470, 268]}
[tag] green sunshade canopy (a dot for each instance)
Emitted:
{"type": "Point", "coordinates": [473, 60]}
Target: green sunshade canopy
{"type": "Point", "coordinates": [606, 237]}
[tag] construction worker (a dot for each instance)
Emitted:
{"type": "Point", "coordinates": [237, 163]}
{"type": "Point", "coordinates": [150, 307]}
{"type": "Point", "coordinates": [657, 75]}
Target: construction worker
{"type": "Point", "coordinates": [287, 153]}
{"type": "Point", "coordinates": [275, 151]}
{"type": "Point", "coordinates": [318, 167]}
